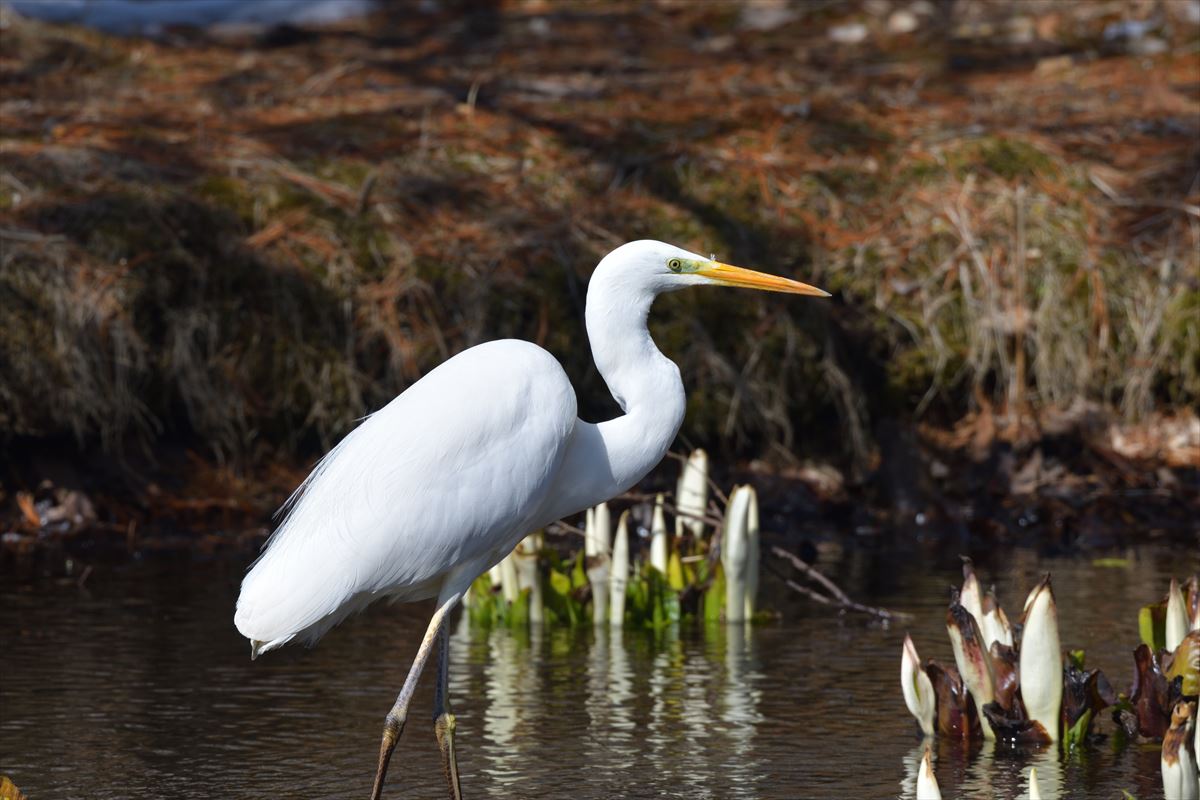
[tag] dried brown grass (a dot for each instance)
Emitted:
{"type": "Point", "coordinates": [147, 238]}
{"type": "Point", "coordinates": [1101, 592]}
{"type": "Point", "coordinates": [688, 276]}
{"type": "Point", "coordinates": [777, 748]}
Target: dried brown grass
{"type": "Point", "coordinates": [256, 246]}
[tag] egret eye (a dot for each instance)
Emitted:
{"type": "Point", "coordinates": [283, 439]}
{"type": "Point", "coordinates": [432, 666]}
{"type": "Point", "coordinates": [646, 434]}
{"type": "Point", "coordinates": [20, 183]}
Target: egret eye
{"type": "Point", "coordinates": [675, 264]}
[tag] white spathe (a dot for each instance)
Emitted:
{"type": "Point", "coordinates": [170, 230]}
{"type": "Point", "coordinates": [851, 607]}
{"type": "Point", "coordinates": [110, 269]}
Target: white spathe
{"type": "Point", "coordinates": [917, 688]}
{"type": "Point", "coordinates": [691, 495]}
{"type": "Point", "coordinates": [735, 553]}
{"type": "Point", "coordinates": [659, 546]}
{"type": "Point", "coordinates": [1041, 664]}
{"type": "Point", "coordinates": [995, 625]}
{"type": "Point", "coordinates": [526, 560]}
{"type": "Point", "coordinates": [599, 532]}
{"type": "Point", "coordinates": [618, 576]}
{"type": "Point", "coordinates": [1177, 617]}
{"type": "Point", "coordinates": [510, 586]}
{"type": "Point", "coordinates": [597, 551]}
{"type": "Point", "coordinates": [1035, 791]}
{"type": "Point", "coordinates": [971, 598]}
{"type": "Point", "coordinates": [753, 552]}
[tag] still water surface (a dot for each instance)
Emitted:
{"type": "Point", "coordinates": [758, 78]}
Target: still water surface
{"type": "Point", "coordinates": [138, 686]}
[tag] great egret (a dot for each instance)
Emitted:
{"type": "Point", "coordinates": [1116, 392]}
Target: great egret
{"type": "Point", "coordinates": [440, 484]}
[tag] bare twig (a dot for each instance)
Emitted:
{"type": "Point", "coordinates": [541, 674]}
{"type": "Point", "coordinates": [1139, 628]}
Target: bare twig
{"type": "Point", "coordinates": [29, 236]}
{"type": "Point", "coordinates": [364, 193]}
{"type": "Point", "coordinates": [1183, 208]}
{"type": "Point", "coordinates": [836, 597]}
{"type": "Point", "coordinates": [564, 527]}
{"type": "Point", "coordinates": [641, 497]}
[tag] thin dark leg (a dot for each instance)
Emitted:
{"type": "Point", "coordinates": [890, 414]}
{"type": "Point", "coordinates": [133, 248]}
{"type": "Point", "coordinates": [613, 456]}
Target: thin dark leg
{"type": "Point", "coordinates": [394, 724]}
{"type": "Point", "coordinates": [443, 719]}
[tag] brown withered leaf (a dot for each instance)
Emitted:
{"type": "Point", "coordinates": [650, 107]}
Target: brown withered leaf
{"type": "Point", "coordinates": [1083, 692]}
{"type": "Point", "coordinates": [1005, 663]}
{"type": "Point", "coordinates": [1150, 694]}
{"type": "Point", "coordinates": [28, 511]}
{"type": "Point", "coordinates": [961, 623]}
{"type": "Point", "coordinates": [1176, 736]}
{"type": "Point", "coordinates": [1011, 724]}
{"type": "Point", "coordinates": [955, 712]}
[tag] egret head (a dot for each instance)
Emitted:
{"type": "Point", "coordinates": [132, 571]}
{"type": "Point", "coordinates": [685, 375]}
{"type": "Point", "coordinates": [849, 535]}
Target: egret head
{"type": "Point", "coordinates": [661, 267]}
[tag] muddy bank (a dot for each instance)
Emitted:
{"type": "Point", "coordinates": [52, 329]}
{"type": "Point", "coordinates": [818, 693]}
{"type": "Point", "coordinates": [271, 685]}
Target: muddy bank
{"type": "Point", "coordinates": [1067, 483]}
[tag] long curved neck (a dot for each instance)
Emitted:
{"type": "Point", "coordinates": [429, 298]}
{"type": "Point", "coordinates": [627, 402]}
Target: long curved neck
{"type": "Point", "coordinates": [643, 381]}
{"type": "Point", "coordinates": [605, 460]}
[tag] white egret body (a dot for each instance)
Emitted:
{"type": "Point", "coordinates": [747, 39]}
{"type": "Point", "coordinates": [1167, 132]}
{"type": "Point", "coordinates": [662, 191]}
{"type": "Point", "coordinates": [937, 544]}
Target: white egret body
{"type": "Point", "coordinates": [440, 484]}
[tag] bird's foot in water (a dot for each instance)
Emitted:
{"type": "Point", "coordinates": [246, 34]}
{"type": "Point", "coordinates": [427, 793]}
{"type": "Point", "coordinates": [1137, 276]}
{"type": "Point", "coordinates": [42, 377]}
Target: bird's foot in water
{"type": "Point", "coordinates": [393, 726]}
{"type": "Point", "coordinates": [443, 728]}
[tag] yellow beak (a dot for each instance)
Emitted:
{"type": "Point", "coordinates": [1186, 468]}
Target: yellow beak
{"type": "Point", "coordinates": [726, 275]}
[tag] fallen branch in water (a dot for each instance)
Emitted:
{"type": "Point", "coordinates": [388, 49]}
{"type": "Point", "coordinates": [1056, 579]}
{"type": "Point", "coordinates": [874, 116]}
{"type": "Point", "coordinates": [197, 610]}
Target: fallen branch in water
{"type": "Point", "coordinates": [835, 597]}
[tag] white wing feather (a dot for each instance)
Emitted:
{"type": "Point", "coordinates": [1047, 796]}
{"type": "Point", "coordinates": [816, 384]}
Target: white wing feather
{"type": "Point", "coordinates": [440, 482]}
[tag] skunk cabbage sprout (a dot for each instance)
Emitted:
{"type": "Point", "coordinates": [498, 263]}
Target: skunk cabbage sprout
{"type": "Point", "coordinates": [734, 553]}
{"type": "Point", "coordinates": [994, 624]}
{"type": "Point", "coordinates": [659, 546]}
{"type": "Point", "coordinates": [618, 578]}
{"type": "Point", "coordinates": [1178, 764]}
{"type": "Point", "coordinates": [753, 551]}
{"type": "Point", "coordinates": [597, 545]}
{"type": "Point", "coordinates": [1177, 617]}
{"type": "Point", "coordinates": [691, 495]}
{"type": "Point", "coordinates": [974, 664]}
{"type": "Point", "coordinates": [525, 559]}
{"type": "Point", "coordinates": [917, 688]}
{"type": "Point", "coordinates": [510, 585]}
{"type": "Point", "coordinates": [1041, 662]}
{"type": "Point", "coordinates": [970, 597]}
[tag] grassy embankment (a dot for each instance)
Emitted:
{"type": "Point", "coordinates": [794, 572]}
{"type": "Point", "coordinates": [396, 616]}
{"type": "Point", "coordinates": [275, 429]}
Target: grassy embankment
{"type": "Point", "coordinates": [245, 248]}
